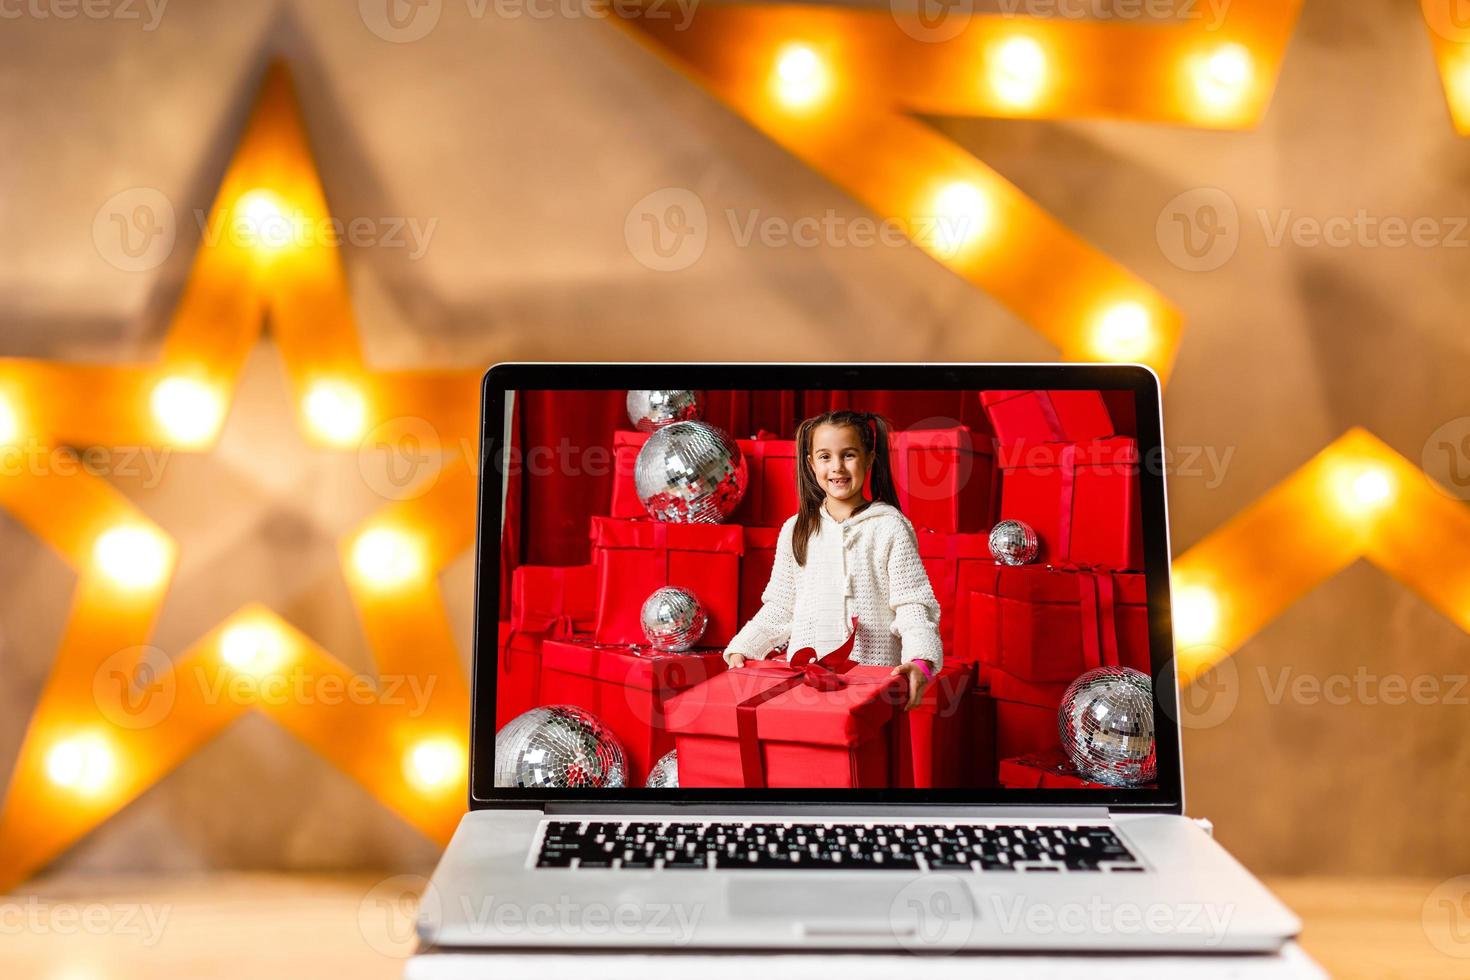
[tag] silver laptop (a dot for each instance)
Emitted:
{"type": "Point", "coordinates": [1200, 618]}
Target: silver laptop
{"type": "Point", "coordinates": [983, 852]}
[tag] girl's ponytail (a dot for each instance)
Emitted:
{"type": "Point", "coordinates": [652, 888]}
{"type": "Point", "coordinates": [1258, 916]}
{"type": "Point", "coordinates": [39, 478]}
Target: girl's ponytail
{"type": "Point", "coordinates": [884, 488]}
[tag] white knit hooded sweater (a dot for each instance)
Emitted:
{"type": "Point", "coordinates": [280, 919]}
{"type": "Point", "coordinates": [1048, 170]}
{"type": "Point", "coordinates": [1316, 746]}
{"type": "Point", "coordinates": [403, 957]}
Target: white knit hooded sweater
{"type": "Point", "coordinates": [866, 566]}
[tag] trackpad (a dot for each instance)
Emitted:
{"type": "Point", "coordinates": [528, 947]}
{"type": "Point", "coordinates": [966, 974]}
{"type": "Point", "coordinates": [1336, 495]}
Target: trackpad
{"type": "Point", "coordinates": [824, 900]}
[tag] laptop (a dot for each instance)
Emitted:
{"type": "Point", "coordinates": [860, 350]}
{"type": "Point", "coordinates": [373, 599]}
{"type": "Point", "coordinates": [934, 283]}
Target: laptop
{"type": "Point", "coordinates": [1008, 843]}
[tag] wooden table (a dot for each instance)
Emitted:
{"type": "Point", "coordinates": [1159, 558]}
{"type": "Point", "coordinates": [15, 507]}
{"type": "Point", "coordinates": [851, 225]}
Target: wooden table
{"type": "Point", "coordinates": [359, 927]}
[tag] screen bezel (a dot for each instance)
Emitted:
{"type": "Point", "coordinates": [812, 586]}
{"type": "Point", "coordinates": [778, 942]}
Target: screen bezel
{"type": "Point", "coordinates": [1167, 796]}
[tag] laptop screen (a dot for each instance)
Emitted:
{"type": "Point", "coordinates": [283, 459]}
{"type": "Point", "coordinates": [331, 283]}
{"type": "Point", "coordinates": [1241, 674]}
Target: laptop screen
{"type": "Point", "coordinates": [824, 593]}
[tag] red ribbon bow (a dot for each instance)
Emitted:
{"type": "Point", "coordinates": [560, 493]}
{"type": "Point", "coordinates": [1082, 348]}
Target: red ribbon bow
{"type": "Point", "coordinates": [804, 668]}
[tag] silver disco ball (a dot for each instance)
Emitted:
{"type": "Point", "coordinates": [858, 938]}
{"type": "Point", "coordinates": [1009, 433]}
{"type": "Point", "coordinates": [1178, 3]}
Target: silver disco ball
{"type": "Point", "coordinates": [1106, 723]}
{"type": "Point", "coordinates": [1013, 543]}
{"type": "Point", "coordinates": [690, 473]}
{"type": "Point", "coordinates": [673, 619]}
{"type": "Point", "coordinates": [665, 772]}
{"type": "Point", "coordinates": [652, 410]}
{"type": "Point", "coordinates": [556, 748]}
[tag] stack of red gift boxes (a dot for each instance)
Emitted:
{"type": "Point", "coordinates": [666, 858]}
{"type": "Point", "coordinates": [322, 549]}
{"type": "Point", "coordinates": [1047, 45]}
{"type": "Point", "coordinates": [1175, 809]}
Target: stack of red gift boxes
{"type": "Point", "coordinates": [1013, 636]}
{"type": "Point", "coordinates": [575, 638]}
{"type": "Point", "coordinates": [1065, 472]}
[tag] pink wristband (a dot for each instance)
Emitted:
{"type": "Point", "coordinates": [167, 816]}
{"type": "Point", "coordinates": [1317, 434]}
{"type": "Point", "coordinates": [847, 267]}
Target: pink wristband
{"type": "Point", "coordinates": [925, 668]}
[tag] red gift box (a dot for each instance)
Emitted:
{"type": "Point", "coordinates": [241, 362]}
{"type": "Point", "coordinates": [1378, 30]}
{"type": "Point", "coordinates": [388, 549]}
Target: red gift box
{"type": "Point", "coordinates": [955, 564]}
{"type": "Point", "coordinates": [951, 737]}
{"type": "Point", "coordinates": [755, 568]}
{"type": "Point", "coordinates": [627, 688]}
{"type": "Point", "coordinates": [1047, 416]}
{"type": "Point", "coordinates": [770, 496]}
{"type": "Point", "coordinates": [770, 493]}
{"type": "Point", "coordinates": [625, 502]}
{"type": "Point", "coordinates": [556, 600]}
{"type": "Point", "coordinates": [1081, 498]}
{"type": "Point", "coordinates": [803, 724]}
{"type": "Point", "coordinates": [634, 558]}
{"type": "Point", "coordinates": [945, 478]}
{"type": "Point", "coordinates": [517, 674]}
{"type": "Point", "coordinates": [1044, 626]}
{"type": "Point", "coordinates": [1043, 770]}
{"type": "Point", "coordinates": [1021, 729]}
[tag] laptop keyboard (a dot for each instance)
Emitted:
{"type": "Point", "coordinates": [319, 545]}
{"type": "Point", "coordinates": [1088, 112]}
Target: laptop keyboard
{"type": "Point", "coordinates": [833, 846]}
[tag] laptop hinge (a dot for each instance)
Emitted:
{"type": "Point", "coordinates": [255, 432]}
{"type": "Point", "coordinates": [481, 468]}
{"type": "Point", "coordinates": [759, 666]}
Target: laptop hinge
{"type": "Point", "coordinates": [785, 810]}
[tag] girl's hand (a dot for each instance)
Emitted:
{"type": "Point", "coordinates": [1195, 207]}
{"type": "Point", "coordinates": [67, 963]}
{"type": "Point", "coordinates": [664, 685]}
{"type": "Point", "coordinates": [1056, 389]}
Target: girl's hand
{"type": "Point", "coordinates": [735, 660]}
{"type": "Point", "coordinates": [917, 682]}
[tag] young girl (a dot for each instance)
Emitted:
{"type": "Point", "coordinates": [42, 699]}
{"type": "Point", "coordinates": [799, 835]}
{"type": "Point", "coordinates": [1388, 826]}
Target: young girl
{"type": "Point", "coordinates": [842, 555]}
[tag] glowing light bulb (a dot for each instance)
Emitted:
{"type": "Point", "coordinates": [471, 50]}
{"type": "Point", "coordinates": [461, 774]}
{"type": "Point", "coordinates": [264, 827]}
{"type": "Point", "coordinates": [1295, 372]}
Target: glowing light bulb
{"type": "Point", "coordinates": [1372, 487]}
{"type": "Point", "coordinates": [801, 78]}
{"type": "Point", "coordinates": [336, 412]}
{"type": "Point", "coordinates": [9, 422]}
{"type": "Point", "coordinates": [1196, 614]}
{"type": "Point", "coordinates": [385, 557]}
{"type": "Point", "coordinates": [1124, 333]}
{"type": "Point", "coordinates": [253, 647]}
{"type": "Point", "coordinates": [188, 410]}
{"type": "Point", "coordinates": [85, 764]}
{"type": "Point", "coordinates": [1018, 71]}
{"type": "Point", "coordinates": [434, 763]}
{"type": "Point", "coordinates": [132, 556]}
{"type": "Point", "coordinates": [1222, 78]}
{"type": "Point", "coordinates": [1363, 489]}
{"type": "Point", "coordinates": [261, 221]}
{"type": "Point", "coordinates": [963, 215]}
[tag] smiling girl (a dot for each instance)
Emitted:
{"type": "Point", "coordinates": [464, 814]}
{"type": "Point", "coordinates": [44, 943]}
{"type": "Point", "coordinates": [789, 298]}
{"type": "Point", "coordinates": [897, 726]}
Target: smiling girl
{"type": "Point", "coordinates": [843, 555]}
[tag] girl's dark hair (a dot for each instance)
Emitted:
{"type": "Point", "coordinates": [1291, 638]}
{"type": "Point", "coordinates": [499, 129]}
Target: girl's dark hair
{"type": "Point", "coordinates": [872, 433]}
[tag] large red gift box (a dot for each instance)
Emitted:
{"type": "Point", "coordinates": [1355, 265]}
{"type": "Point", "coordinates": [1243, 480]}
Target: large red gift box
{"type": "Point", "coordinates": [1046, 416]}
{"type": "Point", "coordinates": [634, 558]}
{"type": "Point", "coordinates": [625, 687]}
{"type": "Point", "coordinates": [770, 493]}
{"type": "Point", "coordinates": [517, 673]}
{"type": "Point", "coordinates": [1043, 770]}
{"type": "Point", "coordinates": [770, 496]}
{"type": "Point", "coordinates": [955, 564]}
{"type": "Point", "coordinates": [1047, 625]}
{"type": "Point", "coordinates": [798, 724]}
{"type": "Point", "coordinates": [951, 738]}
{"type": "Point", "coordinates": [755, 568]}
{"type": "Point", "coordinates": [551, 599]}
{"type": "Point", "coordinates": [1080, 497]}
{"type": "Point", "coordinates": [945, 478]}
